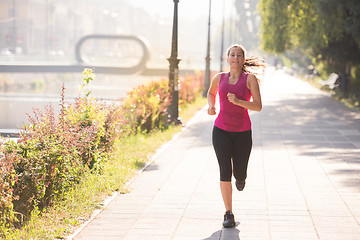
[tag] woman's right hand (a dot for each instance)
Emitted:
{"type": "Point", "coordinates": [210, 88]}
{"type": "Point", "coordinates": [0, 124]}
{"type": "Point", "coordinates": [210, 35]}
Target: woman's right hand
{"type": "Point", "coordinates": [211, 110]}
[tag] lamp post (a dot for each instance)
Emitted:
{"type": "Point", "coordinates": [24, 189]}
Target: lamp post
{"type": "Point", "coordinates": [207, 67]}
{"type": "Point", "coordinates": [173, 108]}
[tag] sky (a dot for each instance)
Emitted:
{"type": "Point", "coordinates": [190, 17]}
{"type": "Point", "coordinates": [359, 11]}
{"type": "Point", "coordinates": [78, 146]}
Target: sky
{"type": "Point", "coordinates": [192, 15]}
{"type": "Point", "coordinates": [189, 9]}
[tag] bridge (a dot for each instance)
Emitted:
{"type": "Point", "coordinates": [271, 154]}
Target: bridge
{"type": "Point", "coordinates": [81, 62]}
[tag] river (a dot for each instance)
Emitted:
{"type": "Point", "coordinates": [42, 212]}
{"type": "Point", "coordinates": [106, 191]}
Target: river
{"type": "Point", "coordinates": [21, 93]}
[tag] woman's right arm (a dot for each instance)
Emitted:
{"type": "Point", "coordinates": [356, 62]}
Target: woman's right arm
{"type": "Point", "coordinates": [211, 94]}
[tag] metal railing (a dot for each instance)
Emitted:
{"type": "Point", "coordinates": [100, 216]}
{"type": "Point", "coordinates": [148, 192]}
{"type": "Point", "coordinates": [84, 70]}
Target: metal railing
{"type": "Point", "coordinates": [81, 64]}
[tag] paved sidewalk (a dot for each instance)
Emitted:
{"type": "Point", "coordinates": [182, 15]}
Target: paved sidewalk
{"type": "Point", "coordinates": [303, 177]}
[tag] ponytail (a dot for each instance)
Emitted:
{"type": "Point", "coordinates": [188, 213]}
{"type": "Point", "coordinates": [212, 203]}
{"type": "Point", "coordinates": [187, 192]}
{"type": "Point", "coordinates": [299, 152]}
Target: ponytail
{"type": "Point", "coordinates": [253, 65]}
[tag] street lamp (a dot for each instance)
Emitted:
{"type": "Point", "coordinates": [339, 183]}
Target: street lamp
{"type": "Point", "coordinates": [173, 108]}
{"type": "Point", "coordinates": [207, 67]}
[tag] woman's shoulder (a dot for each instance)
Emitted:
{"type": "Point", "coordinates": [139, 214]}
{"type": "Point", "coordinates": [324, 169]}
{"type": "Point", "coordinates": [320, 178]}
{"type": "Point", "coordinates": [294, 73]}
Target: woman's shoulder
{"type": "Point", "coordinates": [218, 76]}
{"type": "Point", "coordinates": [224, 74]}
{"type": "Point", "coordinates": [251, 79]}
{"type": "Point", "coordinates": [251, 76]}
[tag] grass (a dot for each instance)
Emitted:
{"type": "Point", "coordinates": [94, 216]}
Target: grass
{"type": "Point", "coordinates": [129, 155]}
{"type": "Point", "coordinates": [349, 99]}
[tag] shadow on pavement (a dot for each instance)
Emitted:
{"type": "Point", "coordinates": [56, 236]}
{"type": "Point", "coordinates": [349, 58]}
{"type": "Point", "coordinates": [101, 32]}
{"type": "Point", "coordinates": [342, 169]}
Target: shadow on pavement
{"type": "Point", "coordinates": [225, 234]}
{"type": "Point", "coordinates": [215, 236]}
{"type": "Point", "coordinates": [317, 126]}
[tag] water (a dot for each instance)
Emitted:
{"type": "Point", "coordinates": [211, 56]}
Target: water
{"type": "Point", "coordinates": [25, 92]}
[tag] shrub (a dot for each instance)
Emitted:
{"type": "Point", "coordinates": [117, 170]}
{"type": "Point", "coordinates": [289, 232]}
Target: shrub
{"type": "Point", "coordinates": [53, 152]}
{"type": "Point", "coordinates": [145, 106]}
{"type": "Point", "coordinates": [190, 87]}
{"type": "Point", "coordinates": [46, 161]}
{"type": "Point", "coordinates": [8, 177]}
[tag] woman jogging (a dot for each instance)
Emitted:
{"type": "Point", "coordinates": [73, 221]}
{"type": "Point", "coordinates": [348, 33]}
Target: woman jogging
{"type": "Point", "coordinates": [232, 138]}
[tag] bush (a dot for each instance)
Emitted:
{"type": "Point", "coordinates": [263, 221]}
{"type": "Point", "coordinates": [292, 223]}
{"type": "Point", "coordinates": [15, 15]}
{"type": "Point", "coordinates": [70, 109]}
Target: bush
{"type": "Point", "coordinates": [190, 88]}
{"type": "Point", "coordinates": [53, 152]}
{"type": "Point", "coordinates": [145, 107]}
{"type": "Point", "coordinates": [8, 178]}
{"type": "Point", "coordinates": [46, 162]}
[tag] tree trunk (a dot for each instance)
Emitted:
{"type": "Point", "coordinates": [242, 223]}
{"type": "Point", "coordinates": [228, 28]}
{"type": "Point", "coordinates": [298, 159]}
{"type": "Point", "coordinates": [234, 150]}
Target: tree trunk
{"type": "Point", "coordinates": [347, 75]}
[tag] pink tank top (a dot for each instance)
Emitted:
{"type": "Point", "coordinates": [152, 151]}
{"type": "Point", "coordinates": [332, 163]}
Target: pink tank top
{"type": "Point", "coordinates": [231, 117]}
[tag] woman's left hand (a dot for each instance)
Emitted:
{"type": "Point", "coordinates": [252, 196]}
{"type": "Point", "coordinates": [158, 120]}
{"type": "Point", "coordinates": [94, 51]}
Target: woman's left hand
{"type": "Point", "coordinates": [232, 98]}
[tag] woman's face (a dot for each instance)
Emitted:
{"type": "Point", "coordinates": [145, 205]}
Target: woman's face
{"type": "Point", "coordinates": [236, 57]}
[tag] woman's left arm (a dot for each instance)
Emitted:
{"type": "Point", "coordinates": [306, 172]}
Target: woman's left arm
{"type": "Point", "coordinates": [253, 85]}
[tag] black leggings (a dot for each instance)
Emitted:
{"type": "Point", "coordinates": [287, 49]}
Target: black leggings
{"type": "Point", "coordinates": [235, 146]}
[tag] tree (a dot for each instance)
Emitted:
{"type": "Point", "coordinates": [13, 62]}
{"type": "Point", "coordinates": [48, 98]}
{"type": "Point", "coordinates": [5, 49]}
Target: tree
{"type": "Point", "coordinates": [328, 31]}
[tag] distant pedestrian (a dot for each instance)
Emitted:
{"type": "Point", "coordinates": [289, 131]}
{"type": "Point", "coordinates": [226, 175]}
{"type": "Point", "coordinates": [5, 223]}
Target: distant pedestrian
{"type": "Point", "coordinates": [232, 136]}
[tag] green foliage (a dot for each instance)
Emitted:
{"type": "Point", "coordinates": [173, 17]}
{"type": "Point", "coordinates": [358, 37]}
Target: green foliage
{"type": "Point", "coordinates": [306, 23]}
{"type": "Point", "coordinates": [51, 154]}
{"type": "Point", "coordinates": [145, 107]}
{"type": "Point", "coordinates": [8, 178]}
{"type": "Point", "coordinates": [327, 31]}
{"type": "Point", "coordinates": [190, 87]}
{"type": "Point", "coordinates": [355, 74]}
{"type": "Point", "coordinates": [54, 152]}
{"type": "Point", "coordinates": [275, 29]}
{"type": "Point", "coordinates": [88, 76]}
{"type": "Point", "coordinates": [45, 160]}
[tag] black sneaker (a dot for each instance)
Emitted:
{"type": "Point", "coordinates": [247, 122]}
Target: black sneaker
{"type": "Point", "coordinates": [240, 185]}
{"type": "Point", "coordinates": [229, 220]}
